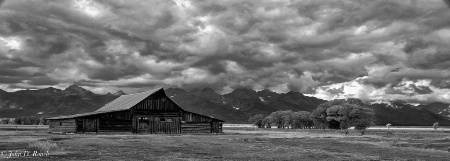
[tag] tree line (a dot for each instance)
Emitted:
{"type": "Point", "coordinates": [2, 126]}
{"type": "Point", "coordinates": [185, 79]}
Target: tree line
{"type": "Point", "coordinates": [25, 120]}
{"type": "Point", "coordinates": [335, 114]}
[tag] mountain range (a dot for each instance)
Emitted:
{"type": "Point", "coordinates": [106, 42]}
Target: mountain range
{"type": "Point", "coordinates": [234, 107]}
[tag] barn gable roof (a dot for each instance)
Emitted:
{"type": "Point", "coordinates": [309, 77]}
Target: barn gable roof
{"type": "Point", "coordinates": [125, 102]}
{"type": "Point", "coordinates": [81, 115]}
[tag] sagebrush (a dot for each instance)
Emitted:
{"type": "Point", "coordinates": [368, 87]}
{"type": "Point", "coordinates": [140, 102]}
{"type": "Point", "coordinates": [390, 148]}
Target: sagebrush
{"type": "Point", "coordinates": [43, 146]}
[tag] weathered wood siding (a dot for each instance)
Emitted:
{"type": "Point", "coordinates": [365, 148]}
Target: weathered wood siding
{"type": "Point", "coordinates": [196, 127]}
{"type": "Point", "coordinates": [115, 121]}
{"type": "Point", "coordinates": [195, 123]}
{"type": "Point", "coordinates": [63, 125]}
{"type": "Point", "coordinates": [90, 124]}
{"type": "Point", "coordinates": [193, 117]}
{"type": "Point", "coordinates": [156, 114]}
{"type": "Point", "coordinates": [157, 102]}
{"type": "Point", "coordinates": [157, 124]}
{"type": "Point", "coordinates": [216, 127]}
{"type": "Point", "coordinates": [154, 122]}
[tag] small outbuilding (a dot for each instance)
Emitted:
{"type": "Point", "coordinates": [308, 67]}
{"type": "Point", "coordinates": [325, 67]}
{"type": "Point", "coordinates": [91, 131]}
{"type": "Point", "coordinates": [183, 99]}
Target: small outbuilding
{"type": "Point", "coordinates": [149, 112]}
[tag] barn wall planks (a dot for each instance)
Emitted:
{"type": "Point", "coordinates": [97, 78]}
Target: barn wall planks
{"type": "Point", "coordinates": [157, 102]}
{"type": "Point", "coordinates": [115, 121]}
{"type": "Point", "coordinates": [193, 117]}
{"type": "Point", "coordinates": [216, 127]}
{"type": "Point", "coordinates": [63, 125]}
{"type": "Point", "coordinates": [169, 123]}
{"type": "Point", "coordinates": [157, 114]}
{"type": "Point", "coordinates": [196, 128]}
{"type": "Point", "coordinates": [195, 123]}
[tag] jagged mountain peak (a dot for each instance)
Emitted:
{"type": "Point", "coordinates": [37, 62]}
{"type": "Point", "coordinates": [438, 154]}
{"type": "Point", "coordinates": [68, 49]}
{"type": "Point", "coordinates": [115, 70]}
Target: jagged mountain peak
{"type": "Point", "coordinates": [207, 93]}
{"type": "Point", "coordinates": [195, 90]}
{"type": "Point", "coordinates": [244, 90]}
{"type": "Point", "coordinates": [207, 89]}
{"type": "Point", "coordinates": [391, 104]}
{"type": "Point", "coordinates": [243, 93]}
{"type": "Point", "coordinates": [292, 93]}
{"type": "Point", "coordinates": [119, 93]}
{"type": "Point", "coordinates": [49, 90]}
{"type": "Point", "coordinates": [440, 108]}
{"type": "Point", "coordinates": [266, 91]}
{"type": "Point", "coordinates": [51, 102]}
{"type": "Point", "coordinates": [74, 89]}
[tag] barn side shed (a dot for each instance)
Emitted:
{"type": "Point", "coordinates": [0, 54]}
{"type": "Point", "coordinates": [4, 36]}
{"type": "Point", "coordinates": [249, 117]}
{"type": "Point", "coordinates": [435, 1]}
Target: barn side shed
{"type": "Point", "coordinates": [149, 112]}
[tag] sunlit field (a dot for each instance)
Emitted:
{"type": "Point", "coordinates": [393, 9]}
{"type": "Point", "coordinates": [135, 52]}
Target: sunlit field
{"type": "Point", "coordinates": [420, 128]}
{"type": "Point", "coordinates": [238, 142]}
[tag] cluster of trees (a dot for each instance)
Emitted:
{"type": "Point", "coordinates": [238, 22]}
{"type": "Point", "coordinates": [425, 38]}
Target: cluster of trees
{"type": "Point", "coordinates": [342, 114]}
{"type": "Point", "coordinates": [283, 119]}
{"type": "Point", "coordinates": [336, 114]}
{"type": "Point", "coordinates": [30, 120]}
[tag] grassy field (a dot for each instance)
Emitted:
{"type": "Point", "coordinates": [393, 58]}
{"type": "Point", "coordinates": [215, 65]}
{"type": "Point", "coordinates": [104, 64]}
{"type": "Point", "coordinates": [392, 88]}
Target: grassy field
{"type": "Point", "coordinates": [237, 143]}
{"type": "Point", "coordinates": [23, 127]}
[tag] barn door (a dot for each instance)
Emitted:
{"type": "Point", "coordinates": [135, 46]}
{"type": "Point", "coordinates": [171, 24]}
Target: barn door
{"type": "Point", "coordinates": [90, 125]}
{"type": "Point", "coordinates": [143, 125]}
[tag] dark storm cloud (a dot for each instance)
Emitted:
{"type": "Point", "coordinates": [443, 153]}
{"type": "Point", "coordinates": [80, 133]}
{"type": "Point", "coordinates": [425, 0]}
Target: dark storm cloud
{"type": "Point", "coordinates": [392, 91]}
{"type": "Point", "coordinates": [9, 79]}
{"type": "Point", "coordinates": [42, 81]}
{"type": "Point", "coordinates": [281, 45]}
{"type": "Point", "coordinates": [441, 83]}
{"type": "Point", "coordinates": [421, 89]}
{"type": "Point", "coordinates": [447, 2]}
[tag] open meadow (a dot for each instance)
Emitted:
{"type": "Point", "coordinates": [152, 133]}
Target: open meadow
{"type": "Point", "coordinates": [236, 143]}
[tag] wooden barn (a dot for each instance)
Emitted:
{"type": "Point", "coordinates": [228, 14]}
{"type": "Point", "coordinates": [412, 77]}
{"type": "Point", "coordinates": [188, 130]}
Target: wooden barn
{"type": "Point", "coordinates": [149, 112]}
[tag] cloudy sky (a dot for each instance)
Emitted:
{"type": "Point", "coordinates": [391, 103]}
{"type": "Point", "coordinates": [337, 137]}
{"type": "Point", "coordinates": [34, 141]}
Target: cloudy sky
{"type": "Point", "coordinates": [369, 49]}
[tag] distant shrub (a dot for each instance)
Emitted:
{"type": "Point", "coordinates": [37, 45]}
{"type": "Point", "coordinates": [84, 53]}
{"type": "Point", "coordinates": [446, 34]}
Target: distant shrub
{"type": "Point", "coordinates": [436, 125]}
{"type": "Point", "coordinates": [43, 146]}
{"type": "Point", "coordinates": [363, 131]}
{"type": "Point", "coordinates": [346, 132]}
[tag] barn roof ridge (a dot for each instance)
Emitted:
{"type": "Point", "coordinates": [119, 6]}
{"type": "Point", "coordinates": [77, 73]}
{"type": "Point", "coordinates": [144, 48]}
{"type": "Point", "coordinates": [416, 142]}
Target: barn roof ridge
{"type": "Point", "coordinates": [127, 101]}
{"type": "Point", "coordinates": [81, 114]}
{"type": "Point", "coordinates": [124, 102]}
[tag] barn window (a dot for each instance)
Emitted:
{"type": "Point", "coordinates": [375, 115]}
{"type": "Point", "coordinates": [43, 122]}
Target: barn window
{"type": "Point", "coordinates": [165, 120]}
{"type": "Point", "coordinates": [60, 123]}
{"type": "Point", "coordinates": [143, 120]}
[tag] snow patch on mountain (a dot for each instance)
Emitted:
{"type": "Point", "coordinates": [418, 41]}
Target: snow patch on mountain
{"type": "Point", "coordinates": [262, 99]}
{"type": "Point", "coordinates": [387, 103]}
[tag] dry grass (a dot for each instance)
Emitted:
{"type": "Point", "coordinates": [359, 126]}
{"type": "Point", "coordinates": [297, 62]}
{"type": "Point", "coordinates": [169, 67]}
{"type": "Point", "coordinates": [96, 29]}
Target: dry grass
{"type": "Point", "coordinates": [239, 144]}
{"type": "Point", "coordinates": [43, 146]}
